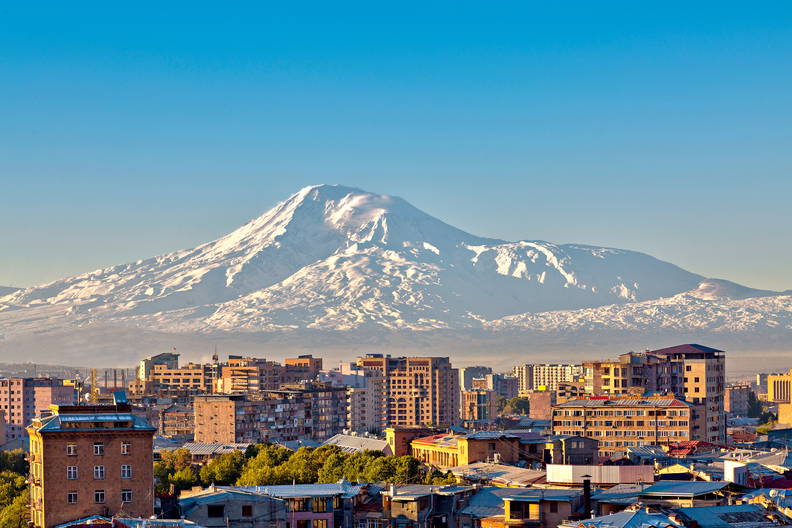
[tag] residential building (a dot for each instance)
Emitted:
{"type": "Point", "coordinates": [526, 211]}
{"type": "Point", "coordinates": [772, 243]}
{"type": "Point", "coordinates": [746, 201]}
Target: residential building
{"type": "Point", "coordinates": [540, 404]}
{"type": "Point", "coordinates": [576, 450]}
{"type": "Point", "coordinates": [177, 421]}
{"type": "Point", "coordinates": [450, 450]}
{"type": "Point", "coordinates": [736, 399]}
{"type": "Point", "coordinates": [503, 386]}
{"type": "Point", "coordinates": [168, 359]}
{"type": "Point", "coordinates": [413, 390]}
{"type": "Point", "coordinates": [468, 374]}
{"type": "Point", "coordinates": [548, 376]}
{"type": "Point", "coordinates": [298, 412]}
{"type": "Point", "coordinates": [224, 507]}
{"type": "Point", "coordinates": [245, 374]}
{"type": "Point", "coordinates": [313, 505]}
{"type": "Point", "coordinates": [400, 438]}
{"type": "Point", "coordinates": [22, 399]}
{"type": "Point", "coordinates": [619, 423]}
{"type": "Point", "coordinates": [634, 373]}
{"type": "Point", "coordinates": [90, 460]}
{"type": "Point", "coordinates": [524, 375]}
{"type": "Point", "coordinates": [423, 506]}
{"type": "Point", "coordinates": [704, 375]}
{"type": "Point", "coordinates": [300, 369]}
{"type": "Point", "coordinates": [362, 407]}
{"type": "Point", "coordinates": [495, 507]}
{"type": "Point", "coordinates": [479, 405]}
{"type": "Point", "coordinates": [779, 387]}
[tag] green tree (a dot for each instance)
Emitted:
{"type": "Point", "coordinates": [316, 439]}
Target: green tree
{"type": "Point", "coordinates": [381, 470]}
{"type": "Point", "coordinates": [14, 460]}
{"type": "Point", "coordinates": [176, 459]}
{"type": "Point", "coordinates": [406, 469]}
{"type": "Point", "coordinates": [11, 486]}
{"type": "Point", "coordinates": [223, 470]}
{"type": "Point", "coordinates": [516, 406]}
{"type": "Point", "coordinates": [184, 478]}
{"type": "Point", "coordinates": [17, 514]}
{"type": "Point", "coordinates": [333, 468]}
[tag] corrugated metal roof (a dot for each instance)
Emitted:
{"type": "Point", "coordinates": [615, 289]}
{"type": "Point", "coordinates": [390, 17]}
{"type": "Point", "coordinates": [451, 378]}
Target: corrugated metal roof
{"type": "Point", "coordinates": [742, 515]}
{"type": "Point", "coordinates": [623, 402]}
{"type": "Point", "coordinates": [354, 444]}
{"type": "Point", "coordinates": [286, 491]}
{"type": "Point", "coordinates": [683, 488]}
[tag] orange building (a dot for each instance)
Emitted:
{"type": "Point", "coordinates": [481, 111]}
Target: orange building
{"type": "Point", "coordinates": [90, 460]}
{"type": "Point", "coordinates": [412, 390]}
{"type": "Point", "coordinates": [444, 451]}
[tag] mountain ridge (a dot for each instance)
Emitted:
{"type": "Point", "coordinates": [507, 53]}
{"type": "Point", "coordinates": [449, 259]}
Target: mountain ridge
{"type": "Point", "coordinates": [335, 258]}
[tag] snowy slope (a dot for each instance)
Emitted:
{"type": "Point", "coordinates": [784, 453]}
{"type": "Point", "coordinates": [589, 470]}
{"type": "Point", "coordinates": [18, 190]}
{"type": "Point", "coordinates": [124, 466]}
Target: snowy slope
{"type": "Point", "coordinates": [341, 259]}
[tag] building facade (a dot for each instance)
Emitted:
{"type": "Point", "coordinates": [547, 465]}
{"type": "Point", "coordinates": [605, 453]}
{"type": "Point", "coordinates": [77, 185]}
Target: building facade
{"type": "Point", "coordinates": [779, 387]}
{"type": "Point", "coordinates": [736, 399]}
{"type": "Point", "coordinates": [479, 405]}
{"type": "Point", "coordinates": [412, 390]}
{"type": "Point", "coordinates": [22, 399]}
{"type": "Point", "coordinates": [90, 460]}
{"type": "Point", "coordinates": [622, 422]}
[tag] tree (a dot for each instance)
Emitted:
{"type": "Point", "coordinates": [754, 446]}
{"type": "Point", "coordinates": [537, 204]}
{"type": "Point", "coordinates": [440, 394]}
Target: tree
{"type": "Point", "coordinates": [333, 468]}
{"type": "Point", "coordinates": [406, 469]}
{"type": "Point", "coordinates": [14, 460]}
{"type": "Point", "coordinates": [185, 478]}
{"type": "Point", "coordinates": [223, 470]}
{"type": "Point", "coordinates": [517, 406]}
{"type": "Point", "coordinates": [176, 459]}
{"type": "Point", "coordinates": [11, 485]}
{"type": "Point", "coordinates": [17, 514]}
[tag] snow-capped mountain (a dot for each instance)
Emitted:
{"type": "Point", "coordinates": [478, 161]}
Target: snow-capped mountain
{"type": "Point", "coordinates": [333, 258]}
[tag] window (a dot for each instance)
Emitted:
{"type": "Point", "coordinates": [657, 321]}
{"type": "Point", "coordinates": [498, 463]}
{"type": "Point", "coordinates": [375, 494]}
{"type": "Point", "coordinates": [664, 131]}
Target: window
{"type": "Point", "coordinates": [126, 471]}
{"type": "Point", "coordinates": [71, 449]}
{"type": "Point", "coordinates": [99, 473]}
{"type": "Point", "coordinates": [99, 496]}
{"type": "Point", "coordinates": [126, 495]}
{"type": "Point", "coordinates": [125, 448]}
{"type": "Point", "coordinates": [71, 497]}
{"type": "Point", "coordinates": [247, 510]}
{"type": "Point", "coordinates": [319, 505]}
{"type": "Point", "coordinates": [71, 472]}
{"type": "Point", "coordinates": [553, 507]}
{"type": "Point", "coordinates": [98, 449]}
{"type": "Point", "coordinates": [215, 510]}
{"type": "Point", "coordinates": [320, 523]}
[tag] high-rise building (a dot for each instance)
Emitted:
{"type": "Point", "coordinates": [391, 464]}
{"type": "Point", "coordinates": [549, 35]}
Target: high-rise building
{"type": "Point", "coordinates": [704, 381]}
{"type": "Point", "coordinates": [503, 386]}
{"type": "Point", "coordinates": [524, 375]}
{"type": "Point", "coordinates": [622, 422]}
{"type": "Point", "coordinates": [548, 376]}
{"type": "Point", "coordinates": [22, 399]}
{"type": "Point", "coordinates": [90, 460]}
{"type": "Point", "coordinates": [634, 373]}
{"type": "Point", "coordinates": [468, 374]}
{"type": "Point", "coordinates": [412, 390]}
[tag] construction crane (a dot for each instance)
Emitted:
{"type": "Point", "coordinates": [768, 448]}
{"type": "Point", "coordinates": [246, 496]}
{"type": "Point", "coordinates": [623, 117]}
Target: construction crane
{"type": "Point", "coordinates": [94, 395]}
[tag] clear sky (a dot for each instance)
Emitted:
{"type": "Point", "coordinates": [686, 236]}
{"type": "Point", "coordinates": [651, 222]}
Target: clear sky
{"type": "Point", "coordinates": [663, 127]}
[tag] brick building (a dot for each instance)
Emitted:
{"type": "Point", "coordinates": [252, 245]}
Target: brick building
{"type": "Point", "coordinates": [298, 412]}
{"type": "Point", "coordinates": [622, 422]}
{"type": "Point", "coordinates": [479, 405]}
{"type": "Point", "coordinates": [90, 460]}
{"type": "Point", "coordinates": [22, 399]}
{"type": "Point", "coordinates": [412, 390]}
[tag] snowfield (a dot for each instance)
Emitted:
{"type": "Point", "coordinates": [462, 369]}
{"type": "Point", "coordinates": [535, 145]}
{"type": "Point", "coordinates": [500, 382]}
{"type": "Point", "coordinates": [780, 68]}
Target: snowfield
{"type": "Point", "coordinates": [332, 258]}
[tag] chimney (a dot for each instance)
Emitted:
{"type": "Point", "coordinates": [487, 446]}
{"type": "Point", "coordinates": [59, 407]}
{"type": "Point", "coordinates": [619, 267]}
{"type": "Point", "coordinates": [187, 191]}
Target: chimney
{"type": "Point", "coordinates": [587, 495]}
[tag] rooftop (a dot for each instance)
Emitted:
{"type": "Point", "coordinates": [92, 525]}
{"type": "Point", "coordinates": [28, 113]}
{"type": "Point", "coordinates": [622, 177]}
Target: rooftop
{"type": "Point", "coordinates": [597, 401]}
{"type": "Point", "coordinates": [354, 444]}
{"type": "Point", "coordinates": [298, 491]}
{"type": "Point", "coordinates": [742, 515]}
{"type": "Point", "coordinates": [678, 488]}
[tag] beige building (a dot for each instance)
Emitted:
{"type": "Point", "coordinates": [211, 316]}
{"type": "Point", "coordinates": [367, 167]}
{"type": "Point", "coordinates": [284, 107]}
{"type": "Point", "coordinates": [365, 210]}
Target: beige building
{"type": "Point", "coordinates": [445, 451]}
{"type": "Point", "coordinates": [90, 460]}
{"type": "Point", "coordinates": [22, 399]}
{"type": "Point", "coordinates": [704, 384]}
{"type": "Point", "coordinates": [480, 404]}
{"type": "Point", "coordinates": [412, 390]}
{"type": "Point", "coordinates": [634, 373]}
{"type": "Point", "coordinates": [622, 422]}
{"type": "Point", "coordinates": [361, 415]}
{"type": "Point", "coordinates": [779, 387]}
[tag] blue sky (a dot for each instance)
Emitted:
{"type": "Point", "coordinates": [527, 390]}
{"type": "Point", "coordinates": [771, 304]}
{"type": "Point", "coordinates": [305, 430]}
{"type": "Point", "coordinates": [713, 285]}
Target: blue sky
{"type": "Point", "coordinates": [666, 128]}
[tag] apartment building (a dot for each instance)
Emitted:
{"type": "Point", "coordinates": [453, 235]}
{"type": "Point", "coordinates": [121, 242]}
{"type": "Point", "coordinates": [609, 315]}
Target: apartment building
{"type": "Point", "coordinates": [22, 399]}
{"type": "Point", "coordinates": [468, 374]}
{"type": "Point", "coordinates": [546, 376]}
{"type": "Point", "coordinates": [504, 386]}
{"type": "Point", "coordinates": [304, 411]}
{"type": "Point", "coordinates": [90, 460]}
{"type": "Point", "coordinates": [146, 366]}
{"type": "Point", "coordinates": [245, 374]}
{"type": "Point", "coordinates": [634, 373]}
{"type": "Point", "coordinates": [622, 422]}
{"type": "Point", "coordinates": [704, 383]}
{"type": "Point", "coordinates": [479, 404]}
{"type": "Point", "coordinates": [736, 399]}
{"type": "Point", "coordinates": [360, 410]}
{"type": "Point", "coordinates": [412, 390]}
